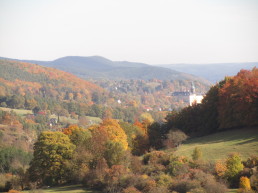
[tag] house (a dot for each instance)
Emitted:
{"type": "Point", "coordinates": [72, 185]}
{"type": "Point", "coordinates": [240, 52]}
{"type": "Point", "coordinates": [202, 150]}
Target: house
{"type": "Point", "coordinates": [190, 97]}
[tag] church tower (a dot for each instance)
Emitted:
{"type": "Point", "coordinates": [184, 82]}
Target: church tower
{"type": "Point", "coordinates": [192, 88]}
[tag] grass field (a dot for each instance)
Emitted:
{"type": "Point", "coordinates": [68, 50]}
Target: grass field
{"type": "Point", "coordinates": [21, 112]}
{"type": "Point", "coordinates": [92, 120]}
{"type": "Point", "coordinates": [232, 191]}
{"type": "Point", "coordinates": [219, 145]}
{"type": "Point", "coordinates": [65, 189]}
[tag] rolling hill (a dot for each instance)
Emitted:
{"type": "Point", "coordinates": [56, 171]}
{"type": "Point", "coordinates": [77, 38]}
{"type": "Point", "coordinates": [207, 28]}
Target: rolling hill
{"type": "Point", "coordinates": [97, 67]}
{"type": "Point", "coordinates": [26, 78]}
{"type": "Point", "coordinates": [212, 72]}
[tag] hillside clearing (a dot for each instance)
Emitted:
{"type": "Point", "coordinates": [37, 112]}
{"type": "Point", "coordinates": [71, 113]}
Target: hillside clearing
{"type": "Point", "coordinates": [219, 145]}
{"type": "Point", "coordinates": [21, 112]}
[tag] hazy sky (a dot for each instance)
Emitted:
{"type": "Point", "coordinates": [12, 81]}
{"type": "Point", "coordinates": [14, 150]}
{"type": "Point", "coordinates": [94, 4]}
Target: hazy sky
{"type": "Point", "coordinates": [149, 31]}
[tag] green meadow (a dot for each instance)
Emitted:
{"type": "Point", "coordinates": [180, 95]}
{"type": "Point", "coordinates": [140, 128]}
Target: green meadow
{"type": "Point", "coordinates": [219, 145]}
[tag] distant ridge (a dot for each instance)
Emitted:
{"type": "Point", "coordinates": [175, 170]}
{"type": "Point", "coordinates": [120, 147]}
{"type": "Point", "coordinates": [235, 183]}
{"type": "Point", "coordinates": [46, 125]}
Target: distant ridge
{"type": "Point", "coordinates": [97, 67]}
{"type": "Point", "coordinates": [213, 72]}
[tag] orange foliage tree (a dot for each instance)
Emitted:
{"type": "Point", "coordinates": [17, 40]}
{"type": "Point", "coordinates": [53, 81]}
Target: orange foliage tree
{"type": "Point", "coordinates": [238, 100]}
{"type": "Point", "coordinates": [115, 132]}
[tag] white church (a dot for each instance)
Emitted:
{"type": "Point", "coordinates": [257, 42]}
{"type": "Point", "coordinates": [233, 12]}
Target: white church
{"type": "Point", "coordinates": [190, 96]}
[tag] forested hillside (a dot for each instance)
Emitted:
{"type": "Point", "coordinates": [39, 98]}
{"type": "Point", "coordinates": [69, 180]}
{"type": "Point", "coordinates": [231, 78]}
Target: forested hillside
{"type": "Point", "coordinates": [97, 67]}
{"type": "Point", "coordinates": [29, 86]}
{"type": "Point", "coordinates": [231, 103]}
{"type": "Point", "coordinates": [30, 79]}
{"type": "Point", "coordinates": [123, 152]}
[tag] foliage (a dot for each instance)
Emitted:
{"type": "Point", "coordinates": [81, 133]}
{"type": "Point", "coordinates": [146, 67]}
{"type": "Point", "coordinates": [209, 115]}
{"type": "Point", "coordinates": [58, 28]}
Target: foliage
{"type": "Point", "coordinates": [51, 151]}
{"type": "Point", "coordinates": [11, 159]}
{"type": "Point", "coordinates": [77, 135]}
{"type": "Point", "coordinates": [114, 153]}
{"type": "Point", "coordinates": [157, 134]}
{"type": "Point", "coordinates": [175, 138]}
{"type": "Point", "coordinates": [244, 183]}
{"type": "Point", "coordinates": [220, 168]}
{"type": "Point", "coordinates": [231, 103]}
{"type": "Point", "coordinates": [132, 132]}
{"type": "Point", "coordinates": [238, 100]}
{"type": "Point", "coordinates": [115, 132]}
{"type": "Point", "coordinates": [197, 154]}
{"type": "Point", "coordinates": [234, 166]}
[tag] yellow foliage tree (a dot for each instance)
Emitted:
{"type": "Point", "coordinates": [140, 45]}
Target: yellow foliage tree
{"type": "Point", "coordinates": [244, 183]}
{"type": "Point", "coordinates": [115, 132]}
{"type": "Point", "coordinates": [147, 116]}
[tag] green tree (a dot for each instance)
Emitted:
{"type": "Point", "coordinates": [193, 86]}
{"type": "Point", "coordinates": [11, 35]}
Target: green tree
{"type": "Point", "coordinates": [157, 133]}
{"type": "Point", "coordinates": [234, 166]}
{"type": "Point", "coordinates": [16, 101]}
{"type": "Point", "coordinates": [114, 153]}
{"type": "Point", "coordinates": [175, 138]}
{"type": "Point", "coordinates": [197, 154]}
{"type": "Point", "coordinates": [51, 151]}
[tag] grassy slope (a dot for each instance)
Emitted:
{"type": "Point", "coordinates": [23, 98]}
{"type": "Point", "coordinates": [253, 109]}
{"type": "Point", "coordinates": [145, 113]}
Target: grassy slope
{"type": "Point", "coordinates": [67, 189]}
{"type": "Point", "coordinates": [24, 112]}
{"type": "Point", "coordinates": [21, 112]}
{"type": "Point", "coordinates": [219, 145]}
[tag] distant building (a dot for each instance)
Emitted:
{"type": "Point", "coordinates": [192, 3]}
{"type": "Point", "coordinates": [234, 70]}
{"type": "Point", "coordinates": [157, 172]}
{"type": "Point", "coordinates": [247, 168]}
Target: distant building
{"type": "Point", "coordinates": [190, 97]}
{"type": "Point", "coordinates": [194, 98]}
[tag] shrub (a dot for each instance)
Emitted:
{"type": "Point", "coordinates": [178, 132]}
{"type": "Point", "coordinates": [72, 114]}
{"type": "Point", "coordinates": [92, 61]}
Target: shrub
{"type": "Point", "coordinates": [207, 181]}
{"type": "Point", "coordinates": [220, 168]}
{"type": "Point", "coordinates": [136, 165]}
{"type": "Point", "coordinates": [131, 190]}
{"type": "Point", "coordinates": [159, 189]}
{"type": "Point", "coordinates": [197, 154]}
{"type": "Point", "coordinates": [183, 186]}
{"type": "Point", "coordinates": [163, 180]}
{"type": "Point", "coordinates": [175, 138]}
{"type": "Point", "coordinates": [177, 166]}
{"type": "Point", "coordinates": [234, 166]}
{"type": "Point", "coordinates": [244, 183]}
{"type": "Point", "coordinates": [156, 157]}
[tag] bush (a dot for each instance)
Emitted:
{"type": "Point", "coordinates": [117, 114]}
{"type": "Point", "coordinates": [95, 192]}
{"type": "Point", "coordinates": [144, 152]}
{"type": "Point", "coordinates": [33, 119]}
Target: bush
{"type": "Point", "coordinates": [244, 183]}
{"type": "Point", "coordinates": [183, 186]}
{"type": "Point", "coordinates": [156, 157]}
{"type": "Point", "coordinates": [163, 180]}
{"type": "Point", "coordinates": [131, 190]}
{"type": "Point", "coordinates": [234, 166]}
{"type": "Point", "coordinates": [197, 154]}
{"type": "Point", "coordinates": [177, 166]}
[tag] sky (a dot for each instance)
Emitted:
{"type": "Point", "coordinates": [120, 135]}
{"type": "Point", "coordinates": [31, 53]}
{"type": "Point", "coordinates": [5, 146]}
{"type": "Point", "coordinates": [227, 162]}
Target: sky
{"type": "Point", "coordinates": [148, 31]}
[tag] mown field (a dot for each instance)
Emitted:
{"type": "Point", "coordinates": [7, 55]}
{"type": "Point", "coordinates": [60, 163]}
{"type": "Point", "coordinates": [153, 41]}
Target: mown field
{"type": "Point", "coordinates": [219, 145]}
{"type": "Point", "coordinates": [21, 112]}
{"type": "Point", "coordinates": [64, 189]}
{"type": "Point", "coordinates": [24, 112]}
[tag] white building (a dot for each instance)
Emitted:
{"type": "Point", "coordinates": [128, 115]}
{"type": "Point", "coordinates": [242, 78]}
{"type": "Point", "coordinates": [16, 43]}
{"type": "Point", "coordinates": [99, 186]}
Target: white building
{"type": "Point", "coordinates": [195, 99]}
{"type": "Point", "coordinates": [190, 97]}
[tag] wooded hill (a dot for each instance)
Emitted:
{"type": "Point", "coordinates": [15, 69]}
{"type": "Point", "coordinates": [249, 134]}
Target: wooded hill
{"type": "Point", "coordinates": [31, 79]}
{"type": "Point", "coordinates": [230, 104]}
{"type": "Point", "coordinates": [27, 85]}
{"type": "Point", "coordinates": [97, 67]}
